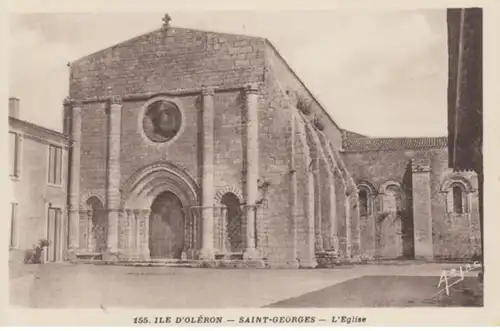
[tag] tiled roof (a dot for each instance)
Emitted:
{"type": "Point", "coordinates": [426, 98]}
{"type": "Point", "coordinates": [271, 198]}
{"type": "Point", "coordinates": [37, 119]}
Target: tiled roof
{"type": "Point", "coordinates": [388, 144]}
{"type": "Point", "coordinates": [352, 135]}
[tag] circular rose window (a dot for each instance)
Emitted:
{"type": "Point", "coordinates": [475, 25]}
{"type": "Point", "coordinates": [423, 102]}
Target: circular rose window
{"type": "Point", "coordinates": [162, 121]}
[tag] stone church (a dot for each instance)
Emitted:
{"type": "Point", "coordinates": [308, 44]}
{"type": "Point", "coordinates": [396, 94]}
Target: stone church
{"type": "Point", "coordinates": [198, 145]}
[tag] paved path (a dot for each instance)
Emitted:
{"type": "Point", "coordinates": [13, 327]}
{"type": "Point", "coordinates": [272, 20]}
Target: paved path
{"type": "Point", "coordinates": [90, 286]}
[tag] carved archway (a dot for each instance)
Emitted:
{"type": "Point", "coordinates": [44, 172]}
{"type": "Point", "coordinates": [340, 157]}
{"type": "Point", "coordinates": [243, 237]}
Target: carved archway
{"type": "Point", "coordinates": [146, 184]}
{"type": "Point", "coordinates": [454, 178]}
{"type": "Point", "coordinates": [228, 189]}
{"type": "Point", "coordinates": [143, 187]}
{"type": "Point", "coordinates": [89, 194]}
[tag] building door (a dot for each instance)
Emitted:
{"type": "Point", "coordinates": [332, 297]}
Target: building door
{"type": "Point", "coordinates": [166, 227]}
{"type": "Point", "coordinates": [54, 234]}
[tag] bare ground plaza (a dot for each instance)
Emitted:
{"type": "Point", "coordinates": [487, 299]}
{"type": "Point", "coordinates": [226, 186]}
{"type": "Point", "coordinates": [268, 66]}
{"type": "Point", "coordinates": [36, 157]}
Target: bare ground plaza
{"type": "Point", "coordinates": [403, 284]}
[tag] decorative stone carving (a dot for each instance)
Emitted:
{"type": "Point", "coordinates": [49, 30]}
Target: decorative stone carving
{"type": "Point", "coordinates": [252, 88]}
{"type": "Point", "coordinates": [115, 100]}
{"type": "Point", "coordinates": [228, 189]}
{"type": "Point", "coordinates": [208, 91]}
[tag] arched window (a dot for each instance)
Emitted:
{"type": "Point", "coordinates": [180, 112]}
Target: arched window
{"type": "Point", "coordinates": [458, 200]}
{"type": "Point", "coordinates": [457, 190]}
{"type": "Point", "coordinates": [363, 203]}
{"type": "Point", "coordinates": [365, 196]}
{"type": "Point", "coordinates": [392, 197]}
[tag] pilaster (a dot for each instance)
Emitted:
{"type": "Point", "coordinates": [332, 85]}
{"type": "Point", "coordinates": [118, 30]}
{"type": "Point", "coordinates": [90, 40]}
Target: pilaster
{"type": "Point", "coordinates": [422, 212]}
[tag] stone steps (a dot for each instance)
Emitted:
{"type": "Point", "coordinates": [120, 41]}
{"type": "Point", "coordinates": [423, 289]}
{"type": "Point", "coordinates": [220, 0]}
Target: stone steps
{"type": "Point", "coordinates": [226, 264]}
{"type": "Point", "coordinates": [139, 263]}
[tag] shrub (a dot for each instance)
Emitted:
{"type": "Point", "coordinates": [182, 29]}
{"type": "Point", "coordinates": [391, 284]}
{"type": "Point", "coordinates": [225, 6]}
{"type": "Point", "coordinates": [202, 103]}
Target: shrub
{"type": "Point", "coordinates": [34, 256]}
{"type": "Point", "coordinates": [303, 105]}
{"type": "Point", "coordinates": [318, 124]}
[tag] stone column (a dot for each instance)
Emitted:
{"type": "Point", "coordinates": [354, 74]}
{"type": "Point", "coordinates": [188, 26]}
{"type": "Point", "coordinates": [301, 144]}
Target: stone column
{"type": "Point", "coordinates": [137, 234]}
{"type": "Point", "coordinates": [348, 239]}
{"type": "Point", "coordinates": [252, 168]}
{"type": "Point", "coordinates": [355, 221]}
{"type": "Point", "coordinates": [129, 221]}
{"type": "Point", "coordinates": [422, 213]}
{"type": "Point", "coordinates": [333, 214]}
{"type": "Point", "coordinates": [89, 230]}
{"type": "Point", "coordinates": [113, 196]}
{"type": "Point", "coordinates": [143, 236]}
{"type": "Point", "coordinates": [74, 184]}
{"type": "Point", "coordinates": [318, 226]}
{"type": "Point", "coordinates": [223, 229]}
{"type": "Point", "coordinates": [310, 260]}
{"type": "Point", "coordinates": [207, 198]}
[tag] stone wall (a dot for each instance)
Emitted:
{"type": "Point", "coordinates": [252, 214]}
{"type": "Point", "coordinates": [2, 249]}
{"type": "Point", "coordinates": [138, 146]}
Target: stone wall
{"type": "Point", "coordinates": [452, 235]}
{"type": "Point", "coordinates": [167, 60]}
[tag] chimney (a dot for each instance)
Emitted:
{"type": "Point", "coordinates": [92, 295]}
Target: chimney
{"type": "Point", "coordinates": [14, 107]}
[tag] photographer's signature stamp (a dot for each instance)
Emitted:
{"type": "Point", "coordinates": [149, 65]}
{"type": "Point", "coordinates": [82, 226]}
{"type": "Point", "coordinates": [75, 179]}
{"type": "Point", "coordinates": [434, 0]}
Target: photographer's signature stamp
{"type": "Point", "coordinates": [450, 277]}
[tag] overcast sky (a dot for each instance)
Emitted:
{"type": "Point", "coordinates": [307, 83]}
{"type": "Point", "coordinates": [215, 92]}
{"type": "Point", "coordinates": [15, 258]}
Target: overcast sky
{"type": "Point", "coordinates": [379, 73]}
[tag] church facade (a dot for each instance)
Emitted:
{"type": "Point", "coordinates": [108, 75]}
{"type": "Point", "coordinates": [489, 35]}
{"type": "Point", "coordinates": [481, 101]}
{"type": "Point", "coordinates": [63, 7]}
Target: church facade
{"type": "Point", "coordinates": [196, 145]}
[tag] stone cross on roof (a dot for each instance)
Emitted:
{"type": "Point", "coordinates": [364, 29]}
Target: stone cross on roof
{"type": "Point", "coordinates": [166, 20]}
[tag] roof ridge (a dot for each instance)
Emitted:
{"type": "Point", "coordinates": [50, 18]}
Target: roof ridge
{"type": "Point", "coordinates": [394, 143]}
{"type": "Point", "coordinates": [163, 28]}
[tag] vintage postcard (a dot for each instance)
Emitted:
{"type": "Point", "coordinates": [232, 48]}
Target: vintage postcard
{"type": "Point", "coordinates": [240, 166]}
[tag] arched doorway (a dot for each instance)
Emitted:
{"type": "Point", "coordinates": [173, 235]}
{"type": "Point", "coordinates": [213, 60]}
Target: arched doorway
{"type": "Point", "coordinates": [99, 227]}
{"type": "Point", "coordinates": [234, 229]}
{"type": "Point", "coordinates": [390, 224]}
{"type": "Point", "coordinates": [166, 227]}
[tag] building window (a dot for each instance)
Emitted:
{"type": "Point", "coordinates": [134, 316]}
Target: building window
{"type": "Point", "coordinates": [13, 225]}
{"type": "Point", "coordinates": [458, 200]}
{"type": "Point", "coordinates": [392, 199]}
{"type": "Point", "coordinates": [363, 203]}
{"type": "Point", "coordinates": [14, 154]}
{"type": "Point", "coordinates": [55, 165]}
{"type": "Point", "coordinates": [162, 121]}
